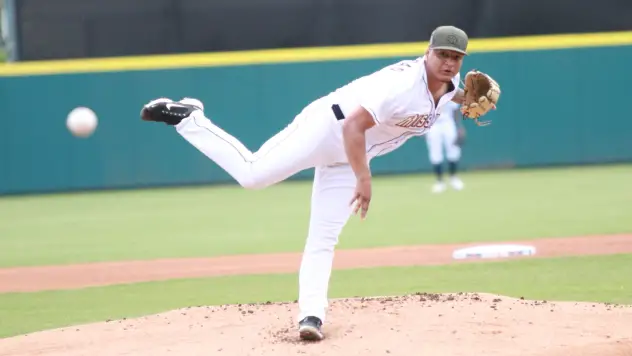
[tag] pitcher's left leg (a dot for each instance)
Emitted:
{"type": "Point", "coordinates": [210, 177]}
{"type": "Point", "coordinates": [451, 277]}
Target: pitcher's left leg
{"type": "Point", "coordinates": [330, 210]}
{"type": "Point", "coordinates": [302, 144]}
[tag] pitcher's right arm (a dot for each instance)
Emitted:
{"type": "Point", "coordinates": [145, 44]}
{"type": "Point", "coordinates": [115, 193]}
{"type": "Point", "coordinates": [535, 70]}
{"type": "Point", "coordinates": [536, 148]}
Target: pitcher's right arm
{"type": "Point", "coordinates": [353, 133]}
{"type": "Point", "coordinates": [354, 136]}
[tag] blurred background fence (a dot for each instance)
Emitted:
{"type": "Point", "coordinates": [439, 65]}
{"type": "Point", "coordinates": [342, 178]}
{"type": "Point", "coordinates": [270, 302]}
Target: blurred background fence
{"type": "Point", "coordinates": [559, 106]}
{"type": "Point", "coordinates": [46, 29]}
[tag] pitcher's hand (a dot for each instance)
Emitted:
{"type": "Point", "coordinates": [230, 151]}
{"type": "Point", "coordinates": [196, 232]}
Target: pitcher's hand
{"type": "Point", "coordinates": [362, 197]}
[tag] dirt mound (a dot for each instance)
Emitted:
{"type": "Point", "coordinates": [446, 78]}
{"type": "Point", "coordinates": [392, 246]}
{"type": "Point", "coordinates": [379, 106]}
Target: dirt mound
{"type": "Point", "coordinates": [420, 324]}
{"type": "Point", "coordinates": [613, 348]}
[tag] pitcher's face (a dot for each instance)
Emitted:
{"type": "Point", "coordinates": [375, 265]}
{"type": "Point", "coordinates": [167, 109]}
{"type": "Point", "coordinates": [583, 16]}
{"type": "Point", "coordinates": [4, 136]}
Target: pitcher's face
{"type": "Point", "coordinates": [444, 64]}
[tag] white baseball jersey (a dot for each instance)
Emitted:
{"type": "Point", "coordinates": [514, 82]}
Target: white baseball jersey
{"type": "Point", "coordinates": [399, 100]}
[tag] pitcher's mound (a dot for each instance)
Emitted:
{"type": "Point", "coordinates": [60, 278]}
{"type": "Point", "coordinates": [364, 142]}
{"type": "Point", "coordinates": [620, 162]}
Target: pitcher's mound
{"type": "Point", "coordinates": [420, 324]}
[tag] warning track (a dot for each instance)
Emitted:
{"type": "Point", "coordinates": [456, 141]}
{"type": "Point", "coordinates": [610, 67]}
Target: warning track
{"type": "Point", "coordinates": [33, 279]}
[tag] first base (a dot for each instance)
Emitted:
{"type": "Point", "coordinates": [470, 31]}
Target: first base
{"type": "Point", "coordinates": [493, 251]}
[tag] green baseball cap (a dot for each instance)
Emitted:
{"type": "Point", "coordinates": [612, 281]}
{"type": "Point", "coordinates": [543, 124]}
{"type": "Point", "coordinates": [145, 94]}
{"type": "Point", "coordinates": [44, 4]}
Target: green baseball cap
{"type": "Point", "coordinates": [449, 37]}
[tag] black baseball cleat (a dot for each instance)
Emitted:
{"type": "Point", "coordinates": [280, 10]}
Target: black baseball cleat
{"type": "Point", "coordinates": [309, 329]}
{"type": "Point", "coordinates": [167, 111]}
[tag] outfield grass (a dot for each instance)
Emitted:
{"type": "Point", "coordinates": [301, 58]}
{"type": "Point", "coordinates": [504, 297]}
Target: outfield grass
{"type": "Point", "coordinates": [496, 205]}
{"type": "Point", "coordinates": [601, 278]}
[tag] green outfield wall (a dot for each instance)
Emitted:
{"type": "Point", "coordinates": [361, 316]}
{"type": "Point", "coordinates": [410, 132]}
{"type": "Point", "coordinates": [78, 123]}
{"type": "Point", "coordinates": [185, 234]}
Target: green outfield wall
{"type": "Point", "coordinates": [559, 106]}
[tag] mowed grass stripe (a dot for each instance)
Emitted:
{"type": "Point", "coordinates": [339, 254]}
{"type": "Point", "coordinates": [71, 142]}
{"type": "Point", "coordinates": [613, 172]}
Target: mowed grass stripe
{"type": "Point", "coordinates": [215, 221]}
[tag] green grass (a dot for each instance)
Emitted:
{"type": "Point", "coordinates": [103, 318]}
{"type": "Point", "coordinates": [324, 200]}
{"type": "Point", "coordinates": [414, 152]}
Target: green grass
{"type": "Point", "coordinates": [495, 206]}
{"type": "Point", "coordinates": [601, 279]}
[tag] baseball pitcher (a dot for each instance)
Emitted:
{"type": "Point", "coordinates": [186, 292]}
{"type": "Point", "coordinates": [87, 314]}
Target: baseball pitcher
{"type": "Point", "coordinates": [338, 135]}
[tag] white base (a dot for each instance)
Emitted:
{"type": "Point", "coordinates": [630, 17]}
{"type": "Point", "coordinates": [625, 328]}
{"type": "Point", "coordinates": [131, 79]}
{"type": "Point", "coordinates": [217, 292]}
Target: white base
{"type": "Point", "coordinates": [493, 251]}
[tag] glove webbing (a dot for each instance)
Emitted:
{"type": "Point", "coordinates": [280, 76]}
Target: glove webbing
{"type": "Point", "coordinates": [478, 123]}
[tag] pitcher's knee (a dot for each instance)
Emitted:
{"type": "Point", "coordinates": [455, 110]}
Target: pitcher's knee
{"type": "Point", "coordinates": [254, 183]}
{"type": "Point", "coordinates": [250, 184]}
{"type": "Point", "coordinates": [325, 239]}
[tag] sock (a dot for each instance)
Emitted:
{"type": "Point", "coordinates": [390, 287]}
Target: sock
{"type": "Point", "coordinates": [438, 171]}
{"type": "Point", "coordinates": [452, 168]}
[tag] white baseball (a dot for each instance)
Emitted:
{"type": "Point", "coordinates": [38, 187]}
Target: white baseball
{"type": "Point", "coordinates": [82, 122]}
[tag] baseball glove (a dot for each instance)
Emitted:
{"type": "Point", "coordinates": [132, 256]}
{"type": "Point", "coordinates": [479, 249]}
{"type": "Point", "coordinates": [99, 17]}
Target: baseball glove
{"type": "Point", "coordinates": [481, 95]}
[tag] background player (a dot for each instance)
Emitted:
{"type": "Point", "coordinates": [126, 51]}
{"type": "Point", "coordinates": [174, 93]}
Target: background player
{"type": "Point", "coordinates": [338, 135]}
{"type": "Point", "coordinates": [447, 133]}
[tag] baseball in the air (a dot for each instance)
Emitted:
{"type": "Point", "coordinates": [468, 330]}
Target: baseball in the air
{"type": "Point", "coordinates": [82, 122]}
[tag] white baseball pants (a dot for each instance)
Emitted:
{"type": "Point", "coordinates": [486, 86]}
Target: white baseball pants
{"type": "Point", "coordinates": [442, 136]}
{"type": "Point", "coordinates": [311, 140]}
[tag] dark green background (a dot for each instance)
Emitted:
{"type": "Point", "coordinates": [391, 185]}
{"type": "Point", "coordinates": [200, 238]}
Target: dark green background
{"type": "Point", "coordinates": [557, 107]}
{"type": "Point", "coordinates": [50, 29]}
